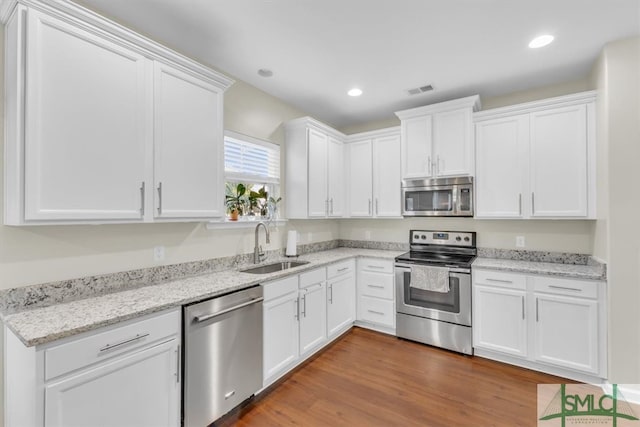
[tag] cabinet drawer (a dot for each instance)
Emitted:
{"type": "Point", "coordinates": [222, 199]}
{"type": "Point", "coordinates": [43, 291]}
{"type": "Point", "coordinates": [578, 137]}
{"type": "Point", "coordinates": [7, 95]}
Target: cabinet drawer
{"type": "Point", "coordinates": [376, 285]}
{"type": "Point", "coordinates": [277, 288]}
{"type": "Point", "coordinates": [99, 346]}
{"type": "Point", "coordinates": [312, 277]}
{"type": "Point", "coordinates": [379, 311]}
{"type": "Point", "coordinates": [499, 279]}
{"type": "Point", "coordinates": [379, 265]}
{"type": "Point", "coordinates": [571, 287]}
{"type": "Point", "coordinates": [341, 268]}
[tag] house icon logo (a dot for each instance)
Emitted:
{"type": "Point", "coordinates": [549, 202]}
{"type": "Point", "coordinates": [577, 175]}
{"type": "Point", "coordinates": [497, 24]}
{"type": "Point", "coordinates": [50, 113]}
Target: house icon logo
{"type": "Point", "coordinates": [584, 405]}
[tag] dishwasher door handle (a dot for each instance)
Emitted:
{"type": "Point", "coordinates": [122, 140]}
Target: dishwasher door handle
{"type": "Point", "coordinates": [202, 318]}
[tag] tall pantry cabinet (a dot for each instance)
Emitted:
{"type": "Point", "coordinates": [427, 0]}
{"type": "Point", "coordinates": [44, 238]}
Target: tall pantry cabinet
{"type": "Point", "coordinates": [104, 125]}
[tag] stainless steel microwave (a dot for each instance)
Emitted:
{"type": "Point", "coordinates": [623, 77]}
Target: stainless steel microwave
{"type": "Point", "coordinates": [438, 196]}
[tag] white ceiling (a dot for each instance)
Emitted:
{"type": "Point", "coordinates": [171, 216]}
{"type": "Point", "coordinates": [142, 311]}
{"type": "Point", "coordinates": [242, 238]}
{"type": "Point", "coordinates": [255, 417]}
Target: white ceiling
{"type": "Point", "coordinates": [318, 49]}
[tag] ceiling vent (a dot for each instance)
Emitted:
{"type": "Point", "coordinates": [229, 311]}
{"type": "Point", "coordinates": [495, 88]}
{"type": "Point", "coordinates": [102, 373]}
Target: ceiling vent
{"type": "Point", "coordinates": [419, 90]}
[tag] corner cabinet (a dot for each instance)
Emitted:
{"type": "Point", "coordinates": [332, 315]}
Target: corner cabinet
{"type": "Point", "coordinates": [437, 139]}
{"type": "Point", "coordinates": [82, 128]}
{"type": "Point", "coordinates": [537, 160]}
{"type": "Point", "coordinates": [552, 324]}
{"type": "Point", "coordinates": [314, 178]}
{"type": "Point", "coordinates": [373, 174]}
{"type": "Point", "coordinates": [126, 374]}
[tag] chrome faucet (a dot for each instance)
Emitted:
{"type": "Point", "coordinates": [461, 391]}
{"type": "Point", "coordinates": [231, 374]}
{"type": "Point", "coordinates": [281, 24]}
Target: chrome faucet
{"type": "Point", "coordinates": [258, 253]}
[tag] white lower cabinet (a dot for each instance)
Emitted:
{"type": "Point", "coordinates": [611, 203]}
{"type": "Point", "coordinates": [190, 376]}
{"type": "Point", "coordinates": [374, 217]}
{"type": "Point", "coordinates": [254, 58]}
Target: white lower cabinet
{"type": "Point", "coordinates": [341, 298]}
{"type": "Point", "coordinates": [552, 324]}
{"type": "Point", "coordinates": [501, 324]}
{"type": "Point", "coordinates": [566, 332]}
{"type": "Point", "coordinates": [301, 316]}
{"type": "Point", "coordinates": [313, 317]}
{"type": "Point", "coordinates": [127, 374]}
{"type": "Point", "coordinates": [138, 390]}
{"type": "Point", "coordinates": [280, 327]}
{"type": "Point", "coordinates": [375, 296]}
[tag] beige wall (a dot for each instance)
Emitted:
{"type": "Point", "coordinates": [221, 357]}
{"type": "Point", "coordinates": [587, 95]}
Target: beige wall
{"type": "Point", "coordinates": [573, 86]}
{"type": "Point", "coordinates": [617, 237]}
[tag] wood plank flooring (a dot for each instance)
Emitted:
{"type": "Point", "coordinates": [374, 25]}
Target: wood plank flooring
{"type": "Point", "coordinates": [371, 379]}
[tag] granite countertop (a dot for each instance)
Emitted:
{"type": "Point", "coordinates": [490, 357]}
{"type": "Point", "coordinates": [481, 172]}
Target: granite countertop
{"type": "Point", "coordinates": [43, 325]}
{"type": "Point", "coordinates": [590, 272]}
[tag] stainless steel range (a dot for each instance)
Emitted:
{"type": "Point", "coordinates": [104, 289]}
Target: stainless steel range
{"type": "Point", "coordinates": [433, 289]}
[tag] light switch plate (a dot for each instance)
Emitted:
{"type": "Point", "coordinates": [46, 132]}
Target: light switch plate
{"type": "Point", "coordinates": [520, 242]}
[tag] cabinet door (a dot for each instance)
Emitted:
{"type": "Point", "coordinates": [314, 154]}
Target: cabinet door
{"type": "Point", "coordinates": [188, 145]}
{"type": "Point", "coordinates": [416, 147]}
{"type": "Point", "coordinates": [499, 320]}
{"type": "Point", "coordinates": [501, 167]}
{"type": "Point", "coordinates": [386, 176]}
{"type": "Point", "coordinates": [566, 332]}
{"type": "Point", "coordinates": [341, 304]}
{"type": "Point", "coordinates": [280, 336]}
{"type": "Point", "coordinates": [452, 143]}
{"type": "Point", "coordinates": [335, 178]}
{"type": "Point", "coordinates": [559, 162]}
{"type": "Point", "coordinates": [141, 389]}
{"type": "Point", "coordinates": [360, 175]}
{"type": "Point", "coordinates": [85, 129]}
{"type": "Point", "coordinates": [318, 201]}
{"type": "Point", "coordinates": [313, 318]}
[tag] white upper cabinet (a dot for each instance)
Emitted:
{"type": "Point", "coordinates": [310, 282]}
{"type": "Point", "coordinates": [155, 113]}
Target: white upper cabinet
{"type": "Point", "coordinates": [81, 102]}
{"type": "Point", "coordinates": [335, 177]}
{"type": "Point", "coordinates": [437, 139]}
{"type": "Point", "coordinates": [501, 167]}
{"type": "Point", "coordinates": [360, 178]}
{"type": "Point", "coordinates": [85, 133]}
{"type": "Point", "coordinates": [374, 173]}
{"type": "Point", "coordinates": [537, 160]}
{"type": "Point", "coordinates": [188, 145]}
{"type": "Point", "coordinates": [559, 162]}
{"type": "Point", "coordinates": [314, 177]}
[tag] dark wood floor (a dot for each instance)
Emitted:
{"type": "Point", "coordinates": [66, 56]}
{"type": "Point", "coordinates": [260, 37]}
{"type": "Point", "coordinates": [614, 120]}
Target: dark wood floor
{"type": "Point", "coordinates": [371, 379]}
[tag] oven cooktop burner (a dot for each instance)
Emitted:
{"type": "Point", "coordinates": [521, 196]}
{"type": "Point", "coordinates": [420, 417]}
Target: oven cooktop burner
{"type": "Point", "coordinates": [441, 248]}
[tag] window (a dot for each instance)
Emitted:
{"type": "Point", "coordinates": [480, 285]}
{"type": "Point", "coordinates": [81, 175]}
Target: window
{"type": "Point", "coordinates": [252, 176]}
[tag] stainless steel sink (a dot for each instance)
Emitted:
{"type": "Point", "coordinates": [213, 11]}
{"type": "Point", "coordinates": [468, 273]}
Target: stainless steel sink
{"type": "Point", "coordinates": [272, 268]}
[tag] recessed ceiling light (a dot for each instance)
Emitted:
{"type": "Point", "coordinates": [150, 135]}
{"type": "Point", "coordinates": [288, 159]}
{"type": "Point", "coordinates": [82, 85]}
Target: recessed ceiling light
{"type": "Point", "coordinates": [540, 41]}
{"type": "Point", "coordinates": [265, 72]}
{"type": "Point", "coordinates": [355, 92]}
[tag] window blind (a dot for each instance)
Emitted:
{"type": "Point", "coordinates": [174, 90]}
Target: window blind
{"type": "Point", "coordinates": [251, 160]}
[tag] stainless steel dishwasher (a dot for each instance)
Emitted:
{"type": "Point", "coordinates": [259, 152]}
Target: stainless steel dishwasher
{"type": "Point", "coordinates": [223, 355]}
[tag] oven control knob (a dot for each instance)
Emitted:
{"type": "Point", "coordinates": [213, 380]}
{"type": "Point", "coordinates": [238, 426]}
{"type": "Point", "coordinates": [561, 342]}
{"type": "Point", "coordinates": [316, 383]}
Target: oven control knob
{"type": "Point", "coordinates": [423, 237]}
{"type": "Point", "coordinates": [466, 239]}
{"type": "Point", "coordinates": [458, 238]}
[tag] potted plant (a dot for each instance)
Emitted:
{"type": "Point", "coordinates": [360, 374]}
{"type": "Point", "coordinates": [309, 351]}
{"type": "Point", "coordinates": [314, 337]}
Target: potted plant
{"type": "Point", "coordinates": [235, 199]}
{"type": "Point", "coordinates": [259, 200]}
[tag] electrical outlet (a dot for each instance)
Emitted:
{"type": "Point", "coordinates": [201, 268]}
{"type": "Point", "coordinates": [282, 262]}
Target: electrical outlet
{"type": "Point", "coordinates": [309, 237]}
{"type": "Point", "coordinates": [158, 253]}
{"type": "Point", "coordinates": [298, 237]}
{"type": "Point", "coordinates": [520, 242]}
{"type": "Point", "coordinates": [367, 235]}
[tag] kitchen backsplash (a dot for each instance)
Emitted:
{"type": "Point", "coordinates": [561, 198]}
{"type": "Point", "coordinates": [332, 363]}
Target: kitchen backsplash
{"type": "Point", "coordinates": [42, 295]}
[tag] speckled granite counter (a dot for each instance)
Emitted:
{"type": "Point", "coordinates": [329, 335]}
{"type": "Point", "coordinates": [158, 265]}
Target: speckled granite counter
{"type": "Point", "coordinates": [42, 325]}
{"type": "Point", "coordinates": [592, 272]}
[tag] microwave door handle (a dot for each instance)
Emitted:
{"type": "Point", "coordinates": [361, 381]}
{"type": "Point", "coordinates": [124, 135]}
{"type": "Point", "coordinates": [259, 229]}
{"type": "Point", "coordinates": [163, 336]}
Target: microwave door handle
{"type": "Point", "coordinates": [454, 192]}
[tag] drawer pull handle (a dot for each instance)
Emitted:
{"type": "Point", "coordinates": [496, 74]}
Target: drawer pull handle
{"type": "Point", "coordinates": [488, 279]}
{"type": "Point", "coordinates": [564, 288]}
{"type": "Point", "coordinates": [376, 286]}
{"type": "Point", "coordinates": [376, 312]}
{"type": "Point", "coordinates": [121, 343]}
{"type": "Point", "coordinates": [228, 395]}
{"type": "Point", "coordinates": [379, 267]}
{"type": "Point", "coordinates": [343, 269]}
